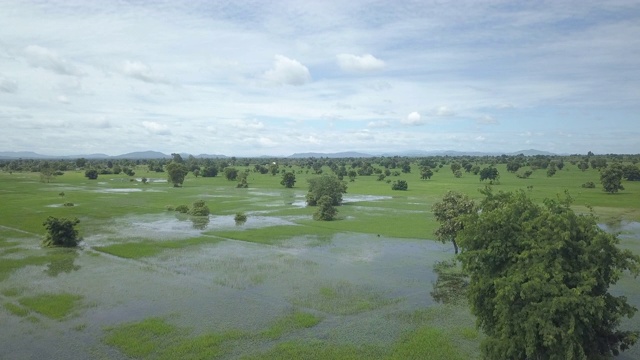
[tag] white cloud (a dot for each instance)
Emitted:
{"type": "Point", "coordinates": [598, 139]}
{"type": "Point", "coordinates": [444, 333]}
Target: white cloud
{"type": "Point", "coordinates": [63, 99]}
{"type": "Point", "coordinates": [378, 124]}
{"type": "Point", "coordinates": [366, 62]}
{"type": "Point", "coordinates": [38, 56]}
{"type": "Point", "coordinates": [480, 138]}
{"type": "Point", "coordinates": [486, 119]}
{"type": "Point", "coordinates": [287, 71]}
{"type": "Point", "coordinates": [8, 85]}
{"type": "Point", "coordinates": [443, 111]}
{"type": "Point", "coordinates": [413, 118]}
{"type": "Point", "coordinates": [247, 124]}
{"type": "Point", "coordinates": [156, 128]}
{"type": "Point", "coordinates": [141, 71]}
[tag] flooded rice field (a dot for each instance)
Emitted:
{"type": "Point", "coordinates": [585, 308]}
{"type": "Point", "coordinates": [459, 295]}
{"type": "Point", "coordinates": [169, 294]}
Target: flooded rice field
{"type": "Point", "coordinates": [355, 283]}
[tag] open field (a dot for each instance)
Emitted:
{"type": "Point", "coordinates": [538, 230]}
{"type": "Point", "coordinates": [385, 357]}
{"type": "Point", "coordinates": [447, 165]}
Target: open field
{"type": "Point", "coordinates": [152, 283]}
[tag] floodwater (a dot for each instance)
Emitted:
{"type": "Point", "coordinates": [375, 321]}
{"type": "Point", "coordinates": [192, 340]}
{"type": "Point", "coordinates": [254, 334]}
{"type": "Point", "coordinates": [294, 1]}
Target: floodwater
{"type": "Point", "coordinates": [220, 286]}
{"type": "Point", "coordinates": [227, 284]}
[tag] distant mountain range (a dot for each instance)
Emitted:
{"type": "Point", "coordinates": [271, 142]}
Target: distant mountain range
{"type": "Point", "coordinates": [7, 155]}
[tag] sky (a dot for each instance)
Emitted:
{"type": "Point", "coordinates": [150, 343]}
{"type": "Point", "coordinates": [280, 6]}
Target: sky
{"type": "Point", "coordinates": [254, 77]}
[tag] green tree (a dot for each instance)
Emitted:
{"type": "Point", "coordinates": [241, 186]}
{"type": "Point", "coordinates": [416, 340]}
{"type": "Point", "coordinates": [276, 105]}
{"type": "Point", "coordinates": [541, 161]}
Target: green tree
{"type": "Point", "coordinates": [199, 208]}
{"type": "Point", "coordinates": [91, 174]}
{"type": "Point", "coordinates": [611, 179]}
{"type": "Point", "coordinates": [400, 185]}
{"type": "Point", "coordinates": [539, 279]}
{"type": "Point", "coordinates": [449, 213]}
{"type": "Point", "coordinates": [288, 180]}
{"type": "Point", "coordinates": [631, 173]}
{"type": "Point", "coordinates": [61, 232]}
{"type": "Point", "coordinates": [231, 173]}
{"type": "Point", "coordinates": [325, 185]}
{"type": "Point", "coordinates": [326, 211]}
{"type": "Point", "coordinates": [176, 173]}
{"type": "Point", "coordinates": [426, 173]}
{"type": "Point", "coordinates": [210, 171]}
{"type": "Point", "coordinates": [489, 173]}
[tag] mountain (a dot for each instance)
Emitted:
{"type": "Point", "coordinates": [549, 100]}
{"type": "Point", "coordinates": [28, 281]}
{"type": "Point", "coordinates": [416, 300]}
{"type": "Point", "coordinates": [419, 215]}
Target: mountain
{"type": "Point", "coordinates": [532, 152]}
{"type": "Point", "coordinates": [143, 155]}
{"type": "Point", "coordinates": [211, 156]}
{"type": "Point", "coordinates": [346, 154]}
{"type": "Point", "coordinates": [23, 155]}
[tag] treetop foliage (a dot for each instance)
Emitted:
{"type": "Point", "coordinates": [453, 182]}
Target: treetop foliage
{"type": "Point", "coordinates": [539, 280]}
{"type": "Point", "coordinates": [61, 232]}
{"type": "Point", "coordinates": [326, 185]}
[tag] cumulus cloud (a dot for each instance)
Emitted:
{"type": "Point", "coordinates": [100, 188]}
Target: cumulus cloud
{"type": "Point", "coordinates": [366, 62]}
{"type": "Point", "coordinates": [156, 128]}
{"type": "Point", "coordinates": [141, 71]}
{"type": "Point", "coordinates": [287, 71]}
{"type": "Point", "coordinates": [413, 119]}
{"type": "Point", "coordinates": [8, 85]}
{"type": "Point", "coordinates": [38, 56]}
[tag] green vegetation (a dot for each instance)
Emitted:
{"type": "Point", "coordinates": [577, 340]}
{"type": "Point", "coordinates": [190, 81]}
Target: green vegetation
{"type": "Point", "coordinates": [55, 306]}
{"type": "Point", "coordinates": [343, 277]}
{"type": "Point", "coordinates": [61, 232]}
{"type": "Point", "coordinates": [449, 213]}
{"type": "Point", "coordinates": [291, 322]}
{"type": "Point", "coordinates": [540, 278]}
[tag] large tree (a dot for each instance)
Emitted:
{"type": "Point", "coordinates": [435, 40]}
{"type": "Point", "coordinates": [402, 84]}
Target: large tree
{"type": "Point", "coordinates": [326, 185]}
{"type": "Point", "coordinates": [449, 213]}
{"type": "Point", "coordinates": [288, 180]}
{"type": "Point", "coordinates": [61, 232]}
{"type": "Point", "coordinates": [489, 173]}
{"type": "Point", "coordinates": [611, 178]}
{"type": "Point", "coordinates": [539, 280]}
{"type": "Point", "coordinates": [176, 173]}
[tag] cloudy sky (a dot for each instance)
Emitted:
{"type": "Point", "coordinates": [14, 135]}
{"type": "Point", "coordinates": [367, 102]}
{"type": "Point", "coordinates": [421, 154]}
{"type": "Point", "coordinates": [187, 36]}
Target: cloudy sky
{"type": "Point", "coordinates": [253, 77]}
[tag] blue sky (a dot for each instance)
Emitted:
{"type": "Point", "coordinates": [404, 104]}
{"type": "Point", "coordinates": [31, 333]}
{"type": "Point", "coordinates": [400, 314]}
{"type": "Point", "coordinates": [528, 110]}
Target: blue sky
{"type": "Point", "coordinates": [250, 78]}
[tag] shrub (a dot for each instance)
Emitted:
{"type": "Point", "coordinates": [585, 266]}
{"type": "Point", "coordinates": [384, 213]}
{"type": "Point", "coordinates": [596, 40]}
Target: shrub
{"type": "Point", "coordinates": [182, 209]}
{"type": "Point", "coordinates": [199, 209]}
{"type": "Point", "coordinates": [589, 185]}
{"type": "Point", "coordinates": [61, 232]}
{"type": "Point", "coordinates": [240, 218]}
{"type": "Point", "coordinates": [68, 204]}
{"type": "Point", "coordinates": [399, 185]}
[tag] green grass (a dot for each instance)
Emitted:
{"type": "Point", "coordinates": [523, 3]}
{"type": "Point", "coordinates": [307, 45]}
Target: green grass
{"type": "Point", "coordinates": [343, 298]}
{"type": "Point", "coordinates": [9, 265]}
{"type": "Point", "coordinates": [16, 310]}
{"type": "Point", "coordinates": [136, 250]}
{"type": "Point", "coordinates": [155, 338]}
{"type": "Point", "coordinates": [427, 343]}
{"type": "Point", "coordinates": [294, 321]}
{"type": "Point", "coordinates": [55, 306]}
{"type": "Point", "coordinates": [317, 350]}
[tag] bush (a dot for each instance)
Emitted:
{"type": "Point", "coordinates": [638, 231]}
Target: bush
{"type": "Point", "coordinates": [68, 204]}
{"type": "Point", "coordinates": [61, 232]}
{"type": "Point", "coordinates": [199, 209]}
{"type": "Point", "coordinates": [91, 174]}
{"type": "Point", "coordinates": [589, 185]}
{"type": "Point", "coordinates": [326, 211]}
{"type": "Point", "coordinates": [240, 218]}
{"type": "Point", "coordinates": [182, 209]}
{"type": "Point", "coordinates": [169, 208]}
{"type": "Point", "coordinates": [399, 185]}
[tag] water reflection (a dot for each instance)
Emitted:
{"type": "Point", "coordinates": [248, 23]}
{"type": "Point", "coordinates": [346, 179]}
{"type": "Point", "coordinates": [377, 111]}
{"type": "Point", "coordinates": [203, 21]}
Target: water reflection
{"type": "Point", "coordinates": [451, 285]}
{"type": "Point", "coordinates": [62, 261]}
{"type": "Point", "coordinates": [199, 222]}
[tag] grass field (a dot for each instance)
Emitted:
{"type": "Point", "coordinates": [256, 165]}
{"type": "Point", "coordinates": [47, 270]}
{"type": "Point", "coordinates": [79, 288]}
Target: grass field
{"type": "Point", "coordinates": [151, 283]}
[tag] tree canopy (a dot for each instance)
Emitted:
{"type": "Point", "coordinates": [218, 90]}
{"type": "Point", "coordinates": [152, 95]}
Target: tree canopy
{"type": "Point", "coordinates": [176, 173]}
{"type": "Point", "coordinates": [288, 180]}
{"type": "Point", "coordinates": [61, 232]}
{"type": "Point", "coordinates": [539, 280]}
{"type": "Point", "coordinates": [611, 179]}
{"type": "Point", "coordinates": [449, 213]}
{"type": "Point", "coordinates": [326, 185]}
